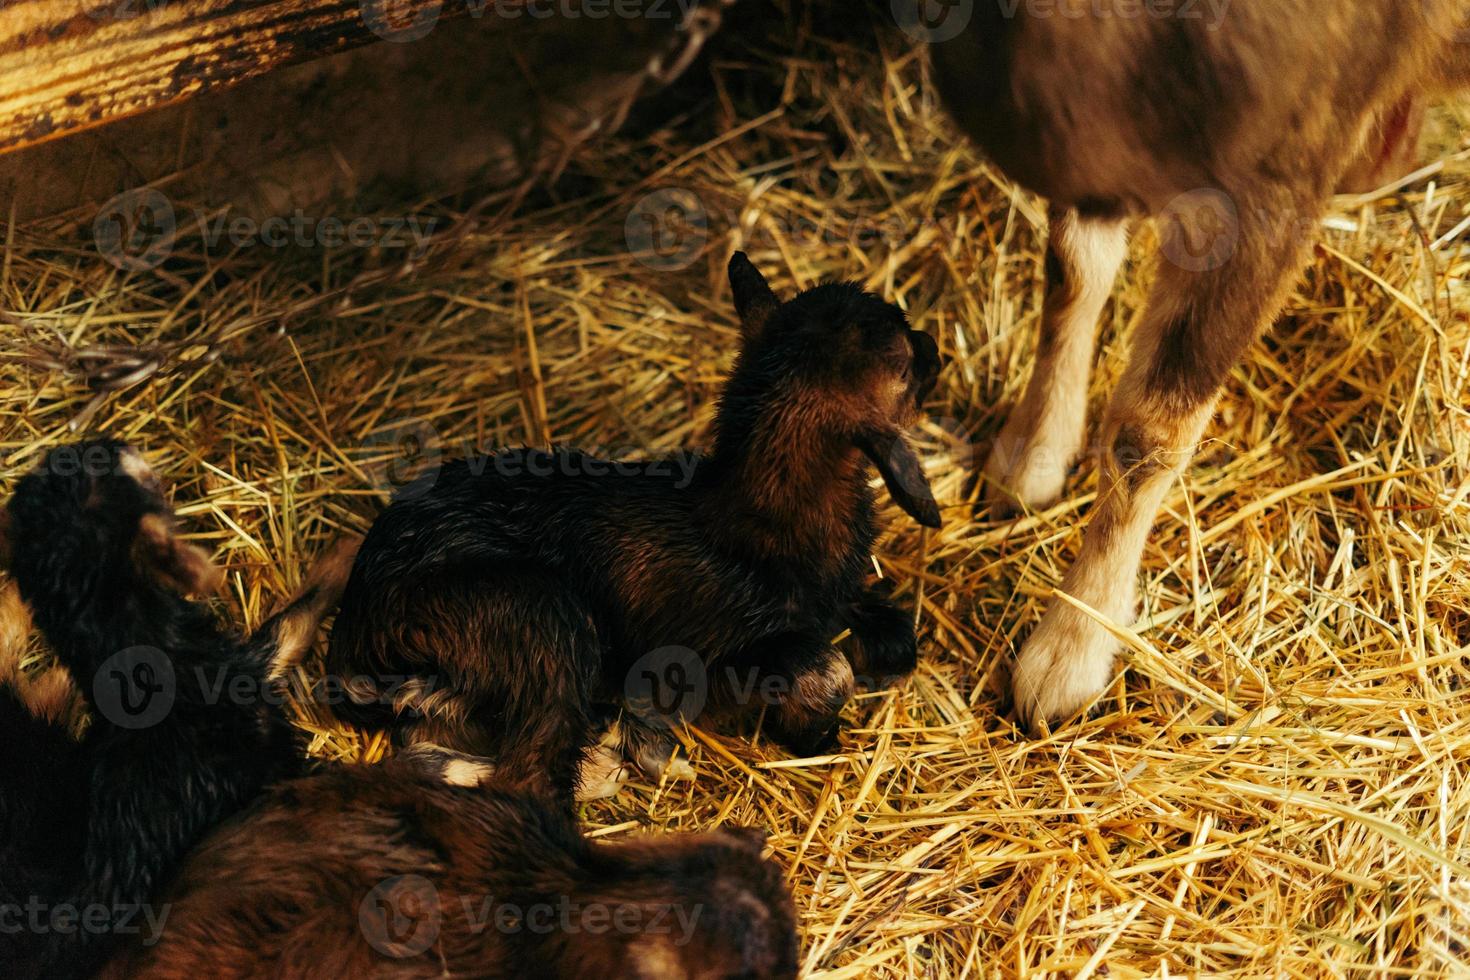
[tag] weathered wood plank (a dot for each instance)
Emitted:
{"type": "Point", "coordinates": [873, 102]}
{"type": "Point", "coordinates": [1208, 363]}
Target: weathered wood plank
{"type": "Point", "coordinates": [70, 64]}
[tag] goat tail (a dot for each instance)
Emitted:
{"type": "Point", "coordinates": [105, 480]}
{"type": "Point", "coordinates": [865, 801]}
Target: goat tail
{"type": "Point", "coordinates": [285, 638]}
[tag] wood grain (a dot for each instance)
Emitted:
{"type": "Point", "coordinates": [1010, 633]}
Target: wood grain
{"type": "Point", "coordinates": [67, 65]}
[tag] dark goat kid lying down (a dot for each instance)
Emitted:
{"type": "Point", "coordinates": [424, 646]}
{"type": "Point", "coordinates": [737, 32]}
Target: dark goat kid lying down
{"type": "Point", "coordinates": [501, 606]}
{"type": "Point", "coordinates": [385, 871]}
{"type": "Point", "coordinates": [168, 755]}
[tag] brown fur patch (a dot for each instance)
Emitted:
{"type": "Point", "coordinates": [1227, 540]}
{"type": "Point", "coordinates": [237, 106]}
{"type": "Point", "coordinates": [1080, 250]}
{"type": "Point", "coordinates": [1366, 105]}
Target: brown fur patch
{"type": "Point", "coordinates": [298, 623]}
{"type": "Point", "coordinates": [52, 697]}
{"type": "Point", "coordinates": [175, 564]}
{"type": "Point", "coordinates": [15, 630]}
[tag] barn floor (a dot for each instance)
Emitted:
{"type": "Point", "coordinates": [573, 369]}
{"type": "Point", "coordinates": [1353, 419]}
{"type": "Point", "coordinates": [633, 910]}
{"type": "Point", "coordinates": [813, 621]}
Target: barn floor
{"type": "Point", "coordinates": [1279, 785]}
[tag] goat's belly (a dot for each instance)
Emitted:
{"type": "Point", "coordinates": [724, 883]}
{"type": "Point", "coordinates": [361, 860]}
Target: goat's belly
{"type": "Point", "coordinates": [1065, 108]}
{"type": "Point", "coordinates": [1098, 109]}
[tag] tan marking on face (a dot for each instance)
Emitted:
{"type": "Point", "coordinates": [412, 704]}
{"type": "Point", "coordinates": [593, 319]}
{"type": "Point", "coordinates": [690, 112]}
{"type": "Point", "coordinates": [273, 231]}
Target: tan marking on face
{"type": "Point", "coordinates": [656, 959]}
{"type": "Point", "coordinates": [133, 465]}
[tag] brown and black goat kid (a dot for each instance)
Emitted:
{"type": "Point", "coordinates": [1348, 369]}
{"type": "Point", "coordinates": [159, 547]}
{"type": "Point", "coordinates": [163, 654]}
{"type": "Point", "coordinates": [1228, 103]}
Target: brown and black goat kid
{"type": "Point", "coordinates": [43, 780]}
{"type": "Point", "coordinates": [383, 871]}
{"type": "Point", "coordinates": [494, 612]}
{"type": "Point", "coordinates": [186, 722]}
{"type": "Point", "coordinates": [1233, 130]}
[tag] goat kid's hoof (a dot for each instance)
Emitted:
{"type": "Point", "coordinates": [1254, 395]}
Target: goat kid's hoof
{"type": "Point", "coordinates": [1065, 665]}
{"type": "Point", "coordinates": [892, 661]}
{"type": "Point", "coordinates": [811, 741]}
{"type": "Point", "coordinates": [655, 758]}
{"type": "Point", "coordinates": [602, 774]}
{"type": "Point", "coordinates": [887, 648]}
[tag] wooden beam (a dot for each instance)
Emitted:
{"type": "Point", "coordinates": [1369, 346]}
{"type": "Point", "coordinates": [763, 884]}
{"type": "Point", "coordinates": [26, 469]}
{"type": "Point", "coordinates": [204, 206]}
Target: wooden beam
{"type": "Point", "coordinates": [67, 65]}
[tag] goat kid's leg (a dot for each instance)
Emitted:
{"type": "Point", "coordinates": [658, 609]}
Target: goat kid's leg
{"type": "Point", "coordinates": [504, 664]}
{"type": "Point", "coordinates": [286, 637]}
{"type": "Point", "coordinates": [887, 649]}
{"type": "Point", "coordinates": [1197, 326]}
{"type": "Point", "coordinates": [637, 737]}
{"type": "Point", "coordinates": [448, 766]}
{"type": "Point", "coordinates": [1044, 433]}
{"type": "Point", "coordinates": [802, 679]}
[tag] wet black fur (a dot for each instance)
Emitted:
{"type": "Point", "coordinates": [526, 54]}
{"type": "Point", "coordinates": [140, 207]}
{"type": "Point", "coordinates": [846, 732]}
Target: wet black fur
{"type": "Point", "coordinates": [516, 603]}
{"type": "Point", "coordinates": [151, 793]}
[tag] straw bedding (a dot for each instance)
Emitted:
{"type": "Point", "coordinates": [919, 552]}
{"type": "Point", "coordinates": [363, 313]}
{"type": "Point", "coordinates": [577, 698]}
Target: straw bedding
{"type": "Point", "coordinates": [1277, 786]}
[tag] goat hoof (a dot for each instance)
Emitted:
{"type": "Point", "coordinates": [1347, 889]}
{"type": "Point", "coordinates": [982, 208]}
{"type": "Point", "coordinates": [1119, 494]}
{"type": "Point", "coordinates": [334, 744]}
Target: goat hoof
{"type": "Point", "coordinates": [892, 658]}
{"type": "Point", "coordinates": [888, 648]}
{"type": "Point", "coordinates": [602, 775]}
{"type": "Point", "coordinates": [1034, 482]}
{"type": "Point", "coordinates": [1065, 665]}
{"type": "Point", "coordinates": [810, 742]}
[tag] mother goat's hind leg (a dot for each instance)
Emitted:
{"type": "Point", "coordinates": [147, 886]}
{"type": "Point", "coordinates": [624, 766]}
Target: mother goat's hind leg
{"type": "Point", "coordinates": [1044, 433]}
{"type": "Point", "coordinates": [1199, 323]}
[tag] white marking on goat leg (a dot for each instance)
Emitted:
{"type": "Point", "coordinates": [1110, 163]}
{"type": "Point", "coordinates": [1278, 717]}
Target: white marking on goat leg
{"type": "Point", "coordinates": [602, 774]}
{"type": "Point", "coordinates": [1045, 431]}
{"type": "Point", "coordinates": [468, 774]}
{"type": "Point", "coordinates": [318, 597]}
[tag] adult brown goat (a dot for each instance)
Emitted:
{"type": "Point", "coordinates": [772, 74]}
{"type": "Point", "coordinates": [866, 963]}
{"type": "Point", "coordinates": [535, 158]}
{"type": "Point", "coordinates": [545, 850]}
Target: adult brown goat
{"type": "Point", "coordinates": [1233, 129]}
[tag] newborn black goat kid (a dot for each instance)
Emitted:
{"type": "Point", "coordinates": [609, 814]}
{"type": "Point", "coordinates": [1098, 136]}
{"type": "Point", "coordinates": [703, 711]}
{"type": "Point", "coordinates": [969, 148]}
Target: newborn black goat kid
{"type": "Point", "coordinates": [186, 722]}
{"type": "Point", "coordinates": [490, 613]}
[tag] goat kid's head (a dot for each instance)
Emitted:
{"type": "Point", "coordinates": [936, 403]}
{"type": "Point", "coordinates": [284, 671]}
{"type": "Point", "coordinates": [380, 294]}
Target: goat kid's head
{"type": "Point", "coordinates": [843, 360]}
{"type": "Point", "coordinates": [101, 500]}
{"type": "Point", "coordinates": [729, 910]}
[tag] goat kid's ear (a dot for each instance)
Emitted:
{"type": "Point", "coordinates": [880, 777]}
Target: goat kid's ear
{"type": "Point", "coordinates": [754, 299]}
{"type": "Point", "coordinates": [902, 472]}
{"type": "Point", "coordinates": [175, 564]}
